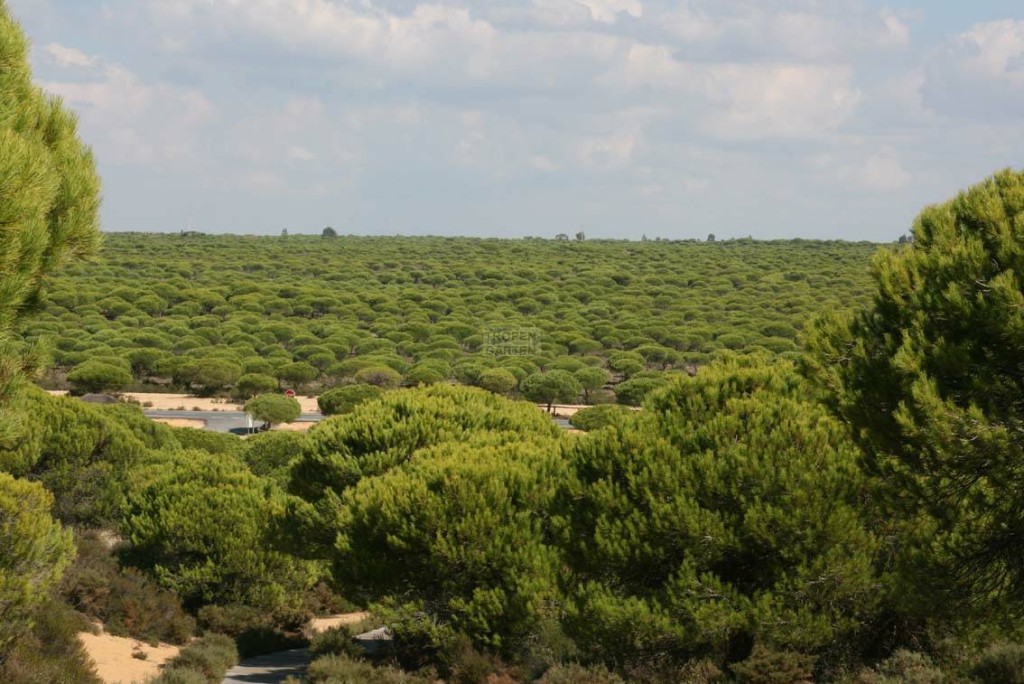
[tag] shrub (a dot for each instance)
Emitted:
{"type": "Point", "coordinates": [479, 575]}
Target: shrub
{"type": "Point", "coordinates": [343, 400]}
{"type": "Point", "coordinates": [632, 392]}
{"type": "Point", "coordinates": [268, 454]}
{"type": "Point", "coordinates": [1000, 664]}
{"type": "Point", "coordinates": [210, 656]}
{"type": "Point", "coordinates": [597, 417]}
{"type": "Point", "coordinates": [210, 442]}
{"type": "Point", "coordinates": [381, 376]}
{"type": "Point", "coordinates": [255, 632]}
{"type": "Point", "coordinates": [904, 667]}
{"type": "Point", "coordinates": [34, 551]}
{"type": "Point", "coordinates": [253, 384]}
{"type": "Point", "coordinates": [774, 667]}
{"type": "Point", "coordinates": [577, 674]}
{"type": "Point", "coordinates": [181, 676]}
{"type": "Point", "coordinates": [343, 670]}
{"type": "Point", "coordinates": [200, 524]}
{"type": "Point", "coordinates": [337, 641]}
{"type": "Point", "coordinates": [730, 501]}
{"type": "Point", "coordinates": [50, 651]}
{"type": "Point", "coordinates": [98, 376]}
{"type": "Point", "coordinates": [273, 408]}
{"type": "Point", "coordinates": [124, 600]}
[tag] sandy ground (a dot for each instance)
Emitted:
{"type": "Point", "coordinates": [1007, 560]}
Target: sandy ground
{"type": "Point", "coordinates": [181, 423]}
{"type": "Point", "coordinates": [185, 402]}
{"type": "Point", "coordinates": [323, 624]}
{"type": "Point", "coordinates": [292, 427]}
{"type": "Point", "coordinates": [173, 402]}
{"type": "Point", "coordinates": [114, 662]}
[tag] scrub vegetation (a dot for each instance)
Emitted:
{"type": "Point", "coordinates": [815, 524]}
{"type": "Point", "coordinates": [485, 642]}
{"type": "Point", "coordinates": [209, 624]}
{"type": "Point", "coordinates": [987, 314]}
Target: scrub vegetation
{"type": "Point", "coordinates": [821, 483]}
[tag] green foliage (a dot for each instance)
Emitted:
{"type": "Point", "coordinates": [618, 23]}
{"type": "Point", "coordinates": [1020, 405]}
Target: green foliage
{"type": "Point", "coordinates": [209, 657]}
{"type": "Point", "coordinates": [80, 452]}
{"type": "Point", "coordinates": [774, 667]}
{"type": "Point", "coordinates": [340, 306]}
{"type": "Point", "coordinates": [210, 375]}
{"type": "Point", "coordinates": [380, 376]}
{"type": "Point", "coordinates": [268, 454]}
{"type": "Point", "coordinates": [381, 435]}
{"type": "Point", "coordinates": [124, 600]}
{"type": "Point", "coordinates": [99, 376]}
{"type": "Point", "coordinates": [210, 442]}
{"type": "Point", "coordinates": [597, 417]}
{"type": "Point", "coordinates": [551, 387]}
{"type": "Point", "coordinates": [497, 380]}
{"type": "Point", "coordinates": [928, 376]}
{"type": "Point", "coordinates": [729, 502]}
{"type": "Point", "coordinates": [459, 527]}
{"type": "Point", "coordinates": [632, 392]}
{"type": "Point", "coordinates": [591, 378]}
{"type": "Point", "coordinates": [49, 191]}
{"type": "Point", "coordinates": [199, 524]}
{"type": "Point", "coordinates": [298, 373]}
{"type": "Point", "coordinates": [50, 652]}
{"type": "Point", "coordinates": [255, 631]}
{"type": "Point", "coordinates": [273, 408]}
{"type": "Point", "coordinates": [577, 674]}
{"type": "Point", "coordinates": [433, 494]}
{"type": "Point", "coordinates": [336, 641]}
{"type": "Point", "coordinates": [253, 384]}
{"type": "Point", "coordinates": [344, 399]}
{"type": "Point", "coordinates": [1001, 663]}
{"type": "Point", "coordinates": [36, 550]}
{"type": "Point", "coordinates": [333, 669]}
{"type": "Point", "coordinates": [904, 667]}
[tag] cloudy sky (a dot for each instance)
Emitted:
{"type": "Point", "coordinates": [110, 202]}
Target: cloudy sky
{"type": "Point", "coordinates": [770, 118]}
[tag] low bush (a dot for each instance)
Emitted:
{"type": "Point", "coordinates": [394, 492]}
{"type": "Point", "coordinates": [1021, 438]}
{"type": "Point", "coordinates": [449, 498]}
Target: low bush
{"type": "Point", "coordinates": [255, 633]}
{"type": "Point", "coordinates": [127, 602]}
{"type": "Point", "coordinates": [577, 674]}
{"type": "Point", "coordinates": [337, 641]}
{"type": "Point", "coordinates": [1001, 663]}
{"type": "Point", "coordinates": [209, 657]}
{"type": "Point", "coordinates": [341, 400]}
{"type": "Point", "coordinates": [181, 677]}
{"type": "Point", "coordinates": [903, 667]}
{"type": "Point", "coordinates": [334, 669]}
{"type": "Point", "coordinates": [50, 651]}
{"type": "Point", "coordinates": [766, 666]}
{"type": "Point", "coordinates": [466, 665]}
{"type": "Point", "coordinates": [210, 442]}
{"type": "Point", "coordinates": [597, 417]}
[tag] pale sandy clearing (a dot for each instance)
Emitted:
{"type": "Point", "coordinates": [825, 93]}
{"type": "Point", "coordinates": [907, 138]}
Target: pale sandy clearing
{"type": "Point", "coordinates": [292, 427]}
{"type": "Point", "coordinates": [323, 624]}
{"type": "Point", "coordinates": [114, 662]}
{"type": "Point", "coordinates": [181, 423]}
{"type": "Point", "coordinates": [172, 402]}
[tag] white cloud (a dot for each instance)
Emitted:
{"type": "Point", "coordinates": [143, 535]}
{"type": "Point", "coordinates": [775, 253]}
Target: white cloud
{"type": "Point", "coordinates": [68, 57]}
{"type": "Point", "coordinates": [783, 101]}
{"type": "Point", "coordinates": [135, 122]}
{"type": "Point", "coordinates": [747, 101]}
{"type": "Point", "coordinates": [882, 172]}
{"type": "Point", "coordinates": [980, 73]}
{"type": "Point", "coordinates": [806, 30]}
{"type": "Point", "coordinates": [608, 11]}
{"type": "Point", "coordinates": [879, 171]}
{"type": "Point", "coordinates": [300, 153]}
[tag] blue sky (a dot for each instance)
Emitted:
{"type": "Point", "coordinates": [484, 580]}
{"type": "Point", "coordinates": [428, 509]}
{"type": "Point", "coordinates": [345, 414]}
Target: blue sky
{"type": "Point", "coordinates": [769, 118]}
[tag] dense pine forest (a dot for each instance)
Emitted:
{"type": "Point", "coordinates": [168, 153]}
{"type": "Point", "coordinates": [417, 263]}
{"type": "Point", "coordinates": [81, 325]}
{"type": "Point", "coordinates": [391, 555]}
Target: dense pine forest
{"type": "Point", "coordinates": [822, 480]}
{"type": "Point", "coordinates": [243, 315]}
